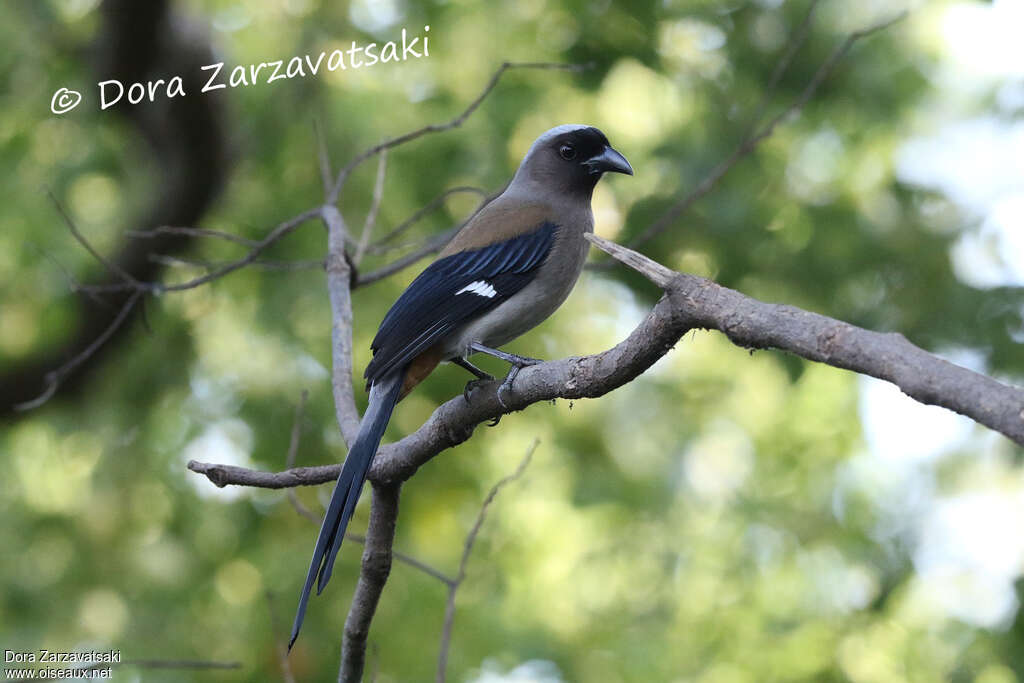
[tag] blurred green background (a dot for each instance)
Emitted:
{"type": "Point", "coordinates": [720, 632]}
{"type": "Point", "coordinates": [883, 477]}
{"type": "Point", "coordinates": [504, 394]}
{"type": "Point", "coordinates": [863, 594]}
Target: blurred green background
{"type": "Point", "coordinates": [726, 517]}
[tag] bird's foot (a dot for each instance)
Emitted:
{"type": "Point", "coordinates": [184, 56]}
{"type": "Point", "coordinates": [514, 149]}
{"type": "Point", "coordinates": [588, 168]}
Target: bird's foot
{"type": "Point", "coordinates": [473, 384]}
{"type": "Point", "coordinates": [518, 363]}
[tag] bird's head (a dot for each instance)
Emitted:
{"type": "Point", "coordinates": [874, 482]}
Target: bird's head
{"type": "Point", "coordinates": [571, 159]}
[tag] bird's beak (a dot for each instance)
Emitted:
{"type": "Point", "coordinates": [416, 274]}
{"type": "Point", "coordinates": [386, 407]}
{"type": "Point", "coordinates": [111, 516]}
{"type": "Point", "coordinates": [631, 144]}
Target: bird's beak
{"type": "Point", "coordinates": [608, 160]}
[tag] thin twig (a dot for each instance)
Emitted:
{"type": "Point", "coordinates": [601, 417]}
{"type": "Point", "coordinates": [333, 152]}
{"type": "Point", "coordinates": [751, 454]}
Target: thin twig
{"type": "Point", "coordinates": [407, 559]}
{"type": "Point", "coordinates": [652, 270]}
{"type": "Point", "coordinates": [332, 196]}
{"type": "Point", "coordinates": [260, 264]}
{"type": "Point", "coordinates": [289, 266]}
{"type": "Point", "coordinates": [73, 283]}
{"type": "Point", "coordinates": [750, 142]}
{"type": "Point", "coordinates": [449, 611]}
{"type": "Point", "coordinates": [293, 449]}
{"type": "Point", "coordinates": [374, 661]}
{"type": "Point", "coordinates": [279, 642]}
{"type": "Point", "coordinates": [190, 232]}
{"type": "Point", "coordinates": [293, 443]}
{"type": "Point", "coordinates": [107, 263]}
{"type": "Point", "coordinates": [371, 215]}
{"type": "Point", "coordinates": [434, 244]}
{"type": "Point", "coordinates": [793, 46]}
{"type": "Point", "coordinates": [181, 262]}
{"type": "Point", "coordinates": [279, 231]}
{"type": "Point", "coordinates": [322, 155]}
{"type": "Point", "coordinates": [431, 206]}
{"type": "Point", "coordinates": [54, 377]}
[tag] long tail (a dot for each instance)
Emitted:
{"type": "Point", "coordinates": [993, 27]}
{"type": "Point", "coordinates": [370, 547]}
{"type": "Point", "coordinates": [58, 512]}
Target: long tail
{"type": "Point", "coordinates": [383, 397]}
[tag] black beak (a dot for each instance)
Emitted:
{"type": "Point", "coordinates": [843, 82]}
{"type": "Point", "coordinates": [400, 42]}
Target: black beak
{"type": "Point", "coordinates": [608, 160]}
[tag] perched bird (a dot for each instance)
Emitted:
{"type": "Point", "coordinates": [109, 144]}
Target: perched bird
{"type": "Point", "coordinates": [507, 270]}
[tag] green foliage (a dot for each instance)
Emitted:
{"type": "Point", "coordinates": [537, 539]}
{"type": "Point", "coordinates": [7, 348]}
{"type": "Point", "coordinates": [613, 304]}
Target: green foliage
{"type": "Point", "coordinates": [699, 524]}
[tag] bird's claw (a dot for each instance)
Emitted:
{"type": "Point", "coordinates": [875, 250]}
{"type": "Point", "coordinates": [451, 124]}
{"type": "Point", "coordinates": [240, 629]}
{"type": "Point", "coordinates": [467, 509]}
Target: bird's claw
{"type": "Point", "coordinates": [506, 386]}
{"type": "Point", "coordinates": [516, 363]}
{"type": "Point", "coordinates": [472, 384]}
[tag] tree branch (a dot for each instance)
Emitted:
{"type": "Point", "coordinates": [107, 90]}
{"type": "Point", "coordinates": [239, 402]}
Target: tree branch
{"type": "Point", "coordinates": [435, 243]}
{"type": "Point", "coordinates": [793, 46]}
{"type": "Point", "coordinates": [406, 559]}
{"type": "Point", "coordinates": [277, 233]}
{"type": "Point", "coordinates": [380, 245]}
{"type": "Point", "coordinates": [293, 451]}
{"type": "Point", "coordinates": [114, 269]}
{"type": "Point", "coordinates": [371, 215]}
{"type": "Point", "coordinates": [690, 302]}
{"type": "Point", "coordinates": [303, 511]}
{"type": "Point", "coordinates": [339, 268]}
{"type": "Point", "coordinates": [323, 156]}
{"type": "Point", "coordinates": [190, 232]}
{"type": "Point", "coordinates": [339, 282]}
{"type": "Point", "coordinates": [332, 196]}
{"type": "Point", "coordinates": [279, 641]}
{"type": "Point", "coordinates": [376, 567]}
{"type": "Point", "coordinates": [55, 377]}
{"type": "Point", "coordinates": [752, 324]}
{"type": "Point", "coordinates": [752, 139]}
{"type": "Point", "coordinates": [189, 150]}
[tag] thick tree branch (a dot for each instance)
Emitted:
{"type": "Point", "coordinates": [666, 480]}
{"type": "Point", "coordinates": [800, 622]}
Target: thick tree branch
{"type": "Point", "coordinates": [754, 324]}
{"type": "Point", "coordinates": [690, 302]}
{"type": "Point", "coordinates": [376, 567]}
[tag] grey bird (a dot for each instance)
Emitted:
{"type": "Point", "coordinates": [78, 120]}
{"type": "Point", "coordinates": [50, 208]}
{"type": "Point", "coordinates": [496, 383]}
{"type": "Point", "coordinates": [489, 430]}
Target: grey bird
{"type": "Point", "coordinates": [505, 272]}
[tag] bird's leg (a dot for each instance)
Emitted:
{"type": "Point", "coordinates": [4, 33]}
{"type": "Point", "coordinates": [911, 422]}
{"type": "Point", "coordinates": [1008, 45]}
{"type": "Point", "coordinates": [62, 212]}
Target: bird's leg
{"type": "Point", "coordinates": [481, 376]}
{"type": "Point", "coordinates": [517, 363]}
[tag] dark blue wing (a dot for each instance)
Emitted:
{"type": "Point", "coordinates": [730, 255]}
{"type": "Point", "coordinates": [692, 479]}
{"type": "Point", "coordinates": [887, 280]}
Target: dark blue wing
{"type": "Point", "coordinates": [438, 301]}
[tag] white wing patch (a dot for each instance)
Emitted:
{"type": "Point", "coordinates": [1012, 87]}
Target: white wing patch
{"type": "Point", "coordinates": [480, 288]}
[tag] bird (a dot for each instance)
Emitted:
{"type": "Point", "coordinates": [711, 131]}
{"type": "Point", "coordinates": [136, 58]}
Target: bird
{"type": "Point", "coordinates": [508, 269]}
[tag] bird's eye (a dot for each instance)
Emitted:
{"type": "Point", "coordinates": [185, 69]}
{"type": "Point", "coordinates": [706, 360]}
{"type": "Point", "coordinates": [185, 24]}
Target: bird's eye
{"type": "Point", "coordinates": [567, 152]}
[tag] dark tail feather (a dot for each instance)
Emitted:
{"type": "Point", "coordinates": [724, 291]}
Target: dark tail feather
{"type": "Point", "coordinates": [383, 397]}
